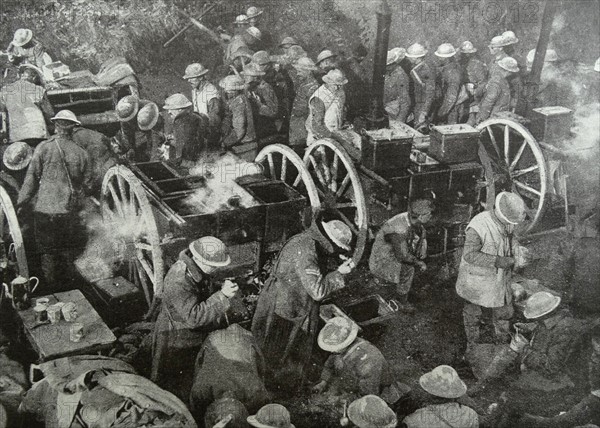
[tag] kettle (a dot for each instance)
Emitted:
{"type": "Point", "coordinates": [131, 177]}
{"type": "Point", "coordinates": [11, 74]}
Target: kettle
{"type": "Point", "coordinates": [19, 291]}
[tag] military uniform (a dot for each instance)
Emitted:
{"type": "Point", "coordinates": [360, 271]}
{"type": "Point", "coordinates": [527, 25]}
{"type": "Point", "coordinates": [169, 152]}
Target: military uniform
{"type": "Point", "coordinates": [34, 54]}
{"type": "Point", "coordinates": [265, 108]}
{"type": "Point", "coordinates": [361, 369]}
{"type": "Point", "coordinates": [303, 91]}
{"type": "Point", "coordinates": [207, 101]}
{"type": "Point", "coordinates": [287, 314]}
{"type": "Point", "coordinates": [496, 97]}
{"type": "Point", "coordinates": [239, 133]}
{"type": "Point", "coordinates": [396, 95]}
{"type": "Point", "coordinates": [423, 79]}
{"type": "Point", "coordinates": [476, 73]}
{"type": "Point", "coordinates": [191, 308]}
{"type": "Point", "coordinates": [189, 139]}
{"type": "Point", "coordinates": [101, 156]}
{"type": "Point", "coordinates": [448, 88]}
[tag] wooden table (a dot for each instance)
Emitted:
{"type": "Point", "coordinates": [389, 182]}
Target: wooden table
{"type": "Point", "coordinates": [52, 341]}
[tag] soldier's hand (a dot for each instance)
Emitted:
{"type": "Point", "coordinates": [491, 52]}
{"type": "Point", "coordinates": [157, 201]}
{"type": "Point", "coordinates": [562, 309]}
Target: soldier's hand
{"type": "Point", "coordinates": [229, 289]}
{"type": "Point", "coordinates": [518, 343]}
{"type": "Point", "coordinates": [421, 266]}
{"type": "Point", "coordinates": [346, 267]}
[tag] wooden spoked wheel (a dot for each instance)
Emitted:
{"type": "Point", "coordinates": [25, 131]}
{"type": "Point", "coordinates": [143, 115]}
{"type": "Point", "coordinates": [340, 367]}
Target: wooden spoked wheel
{"type": "Point", "coordinates": [12, 249]}
{"type": "Point", "coordinates": [127, 212]}
{"type": "Point", "coordinates": [281, 163]}
{"type": "Point", "coordinates": [339, 188]}
{"type": "Point", "coordinates": [513, 161]}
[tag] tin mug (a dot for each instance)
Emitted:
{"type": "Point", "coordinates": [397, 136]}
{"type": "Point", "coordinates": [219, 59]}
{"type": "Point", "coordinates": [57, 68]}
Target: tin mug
{"type": "Point", "coordinates": [41, 313]}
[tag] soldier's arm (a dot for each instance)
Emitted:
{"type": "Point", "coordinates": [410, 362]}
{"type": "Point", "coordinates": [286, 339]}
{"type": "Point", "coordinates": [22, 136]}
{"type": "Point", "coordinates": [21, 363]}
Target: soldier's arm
{"type": "Point", "coordinates": [238, 124]}
{"type": "Point", "coordinates": [404, 98]}
{"type": "Point", "coordinates": [429, 82]}
{"type": "Point", "coordinates": [318, 119]}
{"type": "Point", "coordinates": [215, 112]}
{"type": "Point", "coordinates": [451, 95]}
{"type": "Point", "coordinates": [32, 179]}
{"type": "Point", "coordinates": [369, 381]}
{"type": "Point", "coordinates": [269, 105]}
{"type": "Point", "coordinates": [489, 100]}
{"type": "Point", "coordinates": [316, 285]}
{"type": "Point", "coordinates": [472, 250]}
{"type": "Point", "coordinates": [401, 249]}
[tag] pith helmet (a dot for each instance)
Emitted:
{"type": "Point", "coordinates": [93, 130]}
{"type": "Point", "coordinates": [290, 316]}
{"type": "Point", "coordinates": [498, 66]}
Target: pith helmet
{"type": "Point", "coordinates": [509, 64]}
{"type": "Point", "coordinates": [253, 12]}
{"type": "Point", "coordinates": [540, 304]}
{"type": "Point", "coordinates": [241, 20]}
{"type": "Point", "coordinates": [337, 334]}
{"type": "Point", "coordinates": [445, 50]}
{"type": "Point", "coordinates": [66, 115]}
{"type": "Point", "coordinates": [467, 47]}
{"type": "Point", "coordinates": [127, 108]}
{"type": "Point", "coordinates": [232, 83]}
{"type": "Point", "coordinates": [323, 55]}
{"type": "Point", "coordinates": [17, 156]}
{"type": "Point", "coordinates": [337, 230]}
{"type": "Point", "coordinates": [210, 251]}
{"type": "Point", "coordinates": [254, 32]}
{"type": "Point", "coordinates": [195, 70]}
{"type": "Point", "coordinates": [416, 50]}
{"type": "Point", "coordinates": [510, 207]}
{"type": "Point", "coordinates": [443, 381]}
{"type": "Point", "coordinates": [288, 41]}
{"type": "Point", "coordinates": [22, 37]}
{"type": "Point", "coordinates": [261, 58]}
{"type": "Point", "coordinates": [271, 416]}
{"type": "Point", "coordinates": [176, 102]}
{"type": "Point", "coordinates": [371, 411]}
{"type": "Point", "coordinates": [148, 116]}
{"type": "Point", "coordinates": [510, 37]}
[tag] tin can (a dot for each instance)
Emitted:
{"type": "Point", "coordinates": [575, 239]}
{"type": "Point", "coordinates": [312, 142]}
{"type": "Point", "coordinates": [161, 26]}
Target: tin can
{"type": "Point", "coordinates": [76, 332]}
{"type": "Point", "coordinates": [54, 312]}
{"type": "Point", "coordinates": [41, 313]}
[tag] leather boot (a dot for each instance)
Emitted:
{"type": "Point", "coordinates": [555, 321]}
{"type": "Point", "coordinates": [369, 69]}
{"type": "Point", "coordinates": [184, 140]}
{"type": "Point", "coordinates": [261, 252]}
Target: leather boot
{"type": "Point", "coordinates": [587, 410]}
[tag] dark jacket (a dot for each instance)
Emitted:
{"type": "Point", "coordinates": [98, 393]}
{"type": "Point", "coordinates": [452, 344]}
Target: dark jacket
{"type": "Point", "coordinates": [229, 360]}
{"type": "Point", "coordinates": [396, 94]}
{"type": "Point", "coordinates": [554, 341]}
{"type": "Point", "coordinates": [448, 86]}
{"type": "Point", "coordinates": [265, 109]}
{"type": "Point", "coordinates": [423, 79]}
{"type": "Point", "coordinates": [357, 87]}
{"type": "Point", "coordinates": [476, 72]}
{"type": "Point", "coordinates": [238, 124]}
{"type": "Point", "coordinates": [191, 308]}
{"type": "Point", "coordinates": [303, 91]}
{"type": "Point", "coordinates": [496, 97]}
{"type": "Point", "coordinates": [360, 369]}
{"type": "Point", "coordinates": [101, 156]}
{"type": "Point", "coordinates": [190, 130]}
{"type": "Point", "coordinates": [58, 189]}
{"type": "Point", "coordinates": [287, 313]}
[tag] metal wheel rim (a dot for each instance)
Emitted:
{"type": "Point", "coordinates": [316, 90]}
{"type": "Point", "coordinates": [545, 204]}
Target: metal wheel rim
{"type": "Point", "coordinates": [267, 159]}
{"type": "Point", "coordinates": [330, 191]}
{"type": "Point", "coordinates": [512, 156]}
{"type": "Point", "coordinates": [10, 220]}
{"type": "Point", "coordinates": [147, 265]}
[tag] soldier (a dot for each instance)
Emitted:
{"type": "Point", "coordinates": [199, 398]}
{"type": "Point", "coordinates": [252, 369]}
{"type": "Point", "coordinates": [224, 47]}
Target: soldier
{"type": "Point", "coordinates": [396, 94]}
{"type": "Point", "coordinates": [326, 61]}
{"type": "Point", "coordinates": [24, 49]}
{"type": "Point", "coordinates": [152, 125]}
{"type": "Point", "coordinates": [449, 85]}
{"type": "Point", "coordinates": [237, 40]}
{"type": "Point", "coordinates": [496, 97]}
{"type": "Point", "coordinates": [254, 39]}
{"type": "Point", "coordinates": [206, 99]}
{"type": "Point", "coordinates": [58, 177]}
{"type": "Point", "coordinates": [326, 108]}
{"type": "Point", "coordinates": [100, 153]}
{"type": "Point", "coordinates": [131, 143]}
{"type": "Point", "coordinates": [27, 106]}
{"type": "Point", "coordinates": [265, 106]}
{"type": "Point", "coordinates": [357, 90]}
{"type": "Point", "coordinates": [238, 134]}
{"type": "Point", "coordinates": [188, 142]}
{"type": "Point", "coordinates": [287, 43]}
{"type": "Point", "coordinates": [287, 314]}
{"type": "Point", "coordinates": [240, 58]}
{"type": "Point", "coordinates": [400, 248]}
{"type": "Point", "coordinates": [305, 86]}
{"type": "Point", "coordinates": [517, 80]}
{"type": "Point", "coordinates": [254, 13]}
{"type": "Point", "coordinates": [547, 93]}
{"type": "Point", "coordinates": [423, 79]}
{"type": "Point", "coordinates": [16, 159]}
{"type": "Point", "coordinates": [475, 76]}
{"type": "Point", "coordinates": [485, 270]}
{"type": "Point", "coordinates": [192, 306]}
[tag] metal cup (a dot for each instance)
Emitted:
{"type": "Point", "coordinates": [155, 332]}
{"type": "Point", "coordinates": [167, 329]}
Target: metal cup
{"type": "Point", "coordinates": [76, 332]}
{"type": "Point", "coordinates": [54, 312]}
{"type": "Point", "coordinates": [41, 313]}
